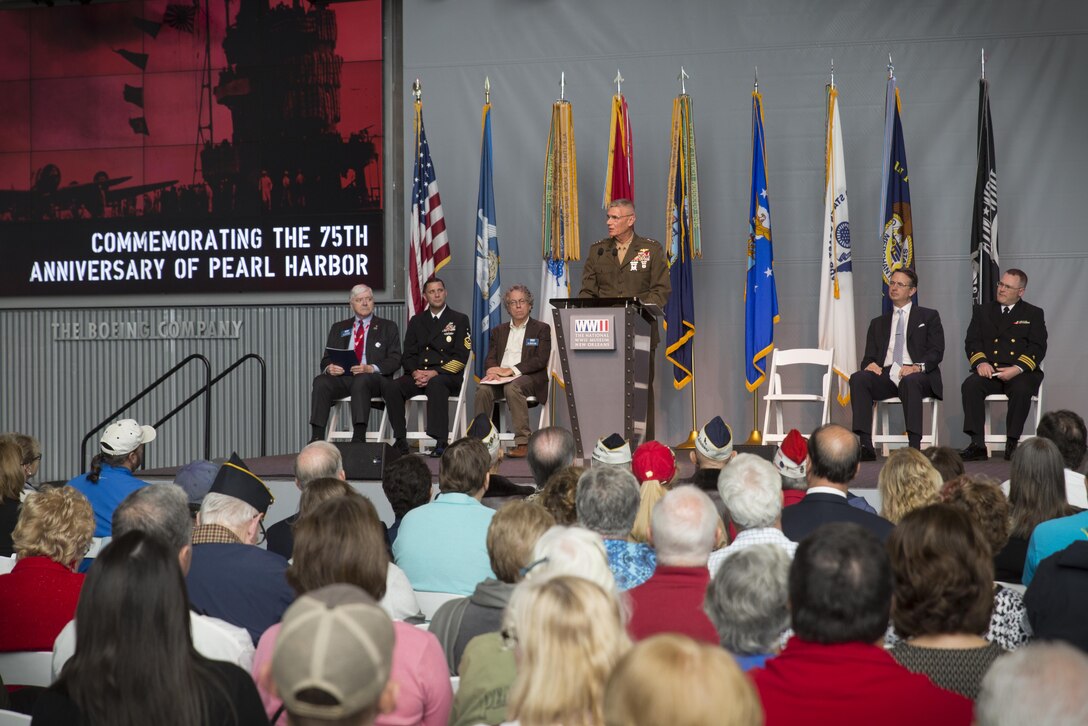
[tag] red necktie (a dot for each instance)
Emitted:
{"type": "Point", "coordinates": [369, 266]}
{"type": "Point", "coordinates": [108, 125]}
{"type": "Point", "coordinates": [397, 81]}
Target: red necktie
{"type": "Point", "coordinates": [360, 341]}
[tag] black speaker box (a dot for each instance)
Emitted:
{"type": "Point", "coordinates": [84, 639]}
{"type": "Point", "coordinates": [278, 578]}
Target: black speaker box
{"type": "Point", "coordinates": [366, 461]}
{"type": "Point", "coordinates": [763, 451]}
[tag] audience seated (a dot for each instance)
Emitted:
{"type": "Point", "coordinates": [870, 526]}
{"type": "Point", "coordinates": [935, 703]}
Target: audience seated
{"type": "Point", "coordinates": [111, 479]}
{"type": "Point", "coordinates": [488, 666]}
{"type": "Point", "coordinates": [280, 536]}
{"type": "Point", "coordinates": [550, 449]}
{"type": "Point", "coordinates": [1066, 429]}
{"type": "Point", "coordinates": [750, 489]}
{"type": "Point", "coordinates": [30, 452]}
{"type": "Point", "coordinates": [834, 457]}
{"type": "Point", "coordinates": [317, 460]}
{"type": "Point", "coordinates": [943, 597]}
{"type": "Point", "coordinates": [1036, 495]}
{"type": "Point", "coordinates": [1042, 683]}
{"type": "Point", "coordinates": [713, 451]}
{"type": "Point", "coordinates": [231, 577]}
{"type": "Point", "coordinates": [612, 450]}
{"type": "Point", "coordinates": [654, 466]}
{"type": "Point", "coordinates": [334, 658]}
{"type": "Point", "coordinates": [342, 542]}
{"type": "Point", "coordinates": [40, 594]}
{"type": "Point", "coordinates": [567, 633]}
{"type": "Point", "coordinates": [670, 679]}
{"type": "Point", "coordinates": [981, 499]}
{"type": "Point", "coordinates": [134, 661]}
{"type": "Point", "coordinates": [1055, 598]}
{"type": "Point", "coordinates": [196, 479]}
{"type": "Point", "coordinates": [407, 484]}
{"type": "Point", "coordinates": [511, 536]}
{"type": "Point", "coordinates": [161, 511]}
{"type": "Point", "coordinates": [559, 495]}
{"type": "Point", "coordinates": [683, 530]}
{"type": "Point", "coordinates": [12, 481]}
{"type": "Point", "coordinates": [607, 503]}
{"type": "Point", "coordinates": [484, 431]}
{"type": "Point", "coordinates": [747, 601]}
{"type": "Point", "coordinates": [947, 461]}
{"type": "Point", "coordinates": [906, 482]}
{"type": "Point", "coordinates": [832, 671]}
{"type": "Point", "coordinates": [791, 461]}
{"type": "Point", "coordinates": [442, 546]}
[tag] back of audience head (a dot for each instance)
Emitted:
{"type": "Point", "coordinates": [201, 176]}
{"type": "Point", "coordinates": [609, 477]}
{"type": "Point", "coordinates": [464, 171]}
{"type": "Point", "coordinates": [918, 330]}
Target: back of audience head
{"type": "Point", "coordinates": [196, 478]}
{"type": "Point", "coordinates": [751, 490]}
{"type": "Point", "coordinates": [407, 484]}
{"type": "Point", "coordinates": [1066, 429]}
{"type": "Point", "coordinates": [840, 586]}
{"type": "Point", "coordinates": [321, 490]}
{"type": "Point", "coordinates": [29, 449]}
{"type": "Point", "coordinates": [57, 523]}
{"type": "Point", "coordinates": [463, 468]}
{"type": "Point", "coordinates": [906, 482]}
{"type": "Point", "coordinates": [834, 455]}
{"type": "Point", "coordinates": [946, 461]}
{"type": "Point", "coordinates": [607, 501]}
{"type": "Point", "coordinates": [685, 527]}
{"type": "Point", "coordinates": [748, 599]}
{"type": "Point", "coordinates": [341, 541]}
{"type": "Point", "coordinates": [1036, 486]}
{"type": "Point", "coordinates": [568, 634]}
{"type": "Point", "coordinates": [158, 510]}
{"type": "Point", "coordinates": [944, 573]}
{"type": "Point", "coordinates": [671, 679]}
{"type": "Point", "coordinates": [333, 659]}
{"type": "Point", "coordinates": [549, 450]}
{"type": "Point", "coordinates": [511, 536]}
{"type": "Point", "coordinates": [982, 499]}
{"type": "Point", "coordinates": [317, 460]}
{"type": "Point", "coordinates": [232, 513]}
{"type": "Point", "coordinates": [12, 476]}
{"type": "Point", "coordinates": [654, 466]}
{"type": "Point", "coordinates": [1040, 683]}
{"type": "Point", "coordinates": [573, 551]}
{"type": "Point", "coordinates": [559, 494]}
{"type": "Point", "coordinates": [611, 450]}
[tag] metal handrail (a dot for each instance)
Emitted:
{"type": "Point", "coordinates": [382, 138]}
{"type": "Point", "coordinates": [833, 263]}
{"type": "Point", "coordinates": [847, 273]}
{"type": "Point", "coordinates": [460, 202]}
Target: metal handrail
{"type": "Point", "coordinates": [207, 388]}
{"type": "Point", "coordinates": [142, 394]}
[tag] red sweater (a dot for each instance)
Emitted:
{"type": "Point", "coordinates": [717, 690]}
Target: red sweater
{"type": "Point", "coordinates": [851, 683]}
{"type": "Point", "coordinates": [671, 601]}
{"type": "Point", "coordinates": [37, 599]}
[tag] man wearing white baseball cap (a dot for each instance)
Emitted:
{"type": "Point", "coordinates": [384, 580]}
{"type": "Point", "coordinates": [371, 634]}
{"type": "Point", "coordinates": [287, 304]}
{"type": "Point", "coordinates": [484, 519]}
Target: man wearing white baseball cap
{"type": "Point", "coordinates": [111, 478]}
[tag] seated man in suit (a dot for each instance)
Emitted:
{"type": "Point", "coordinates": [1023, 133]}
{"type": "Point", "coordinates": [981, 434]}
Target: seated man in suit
{"type": "Point", "coordinates": [437, 344]}
{"type": "Point", "coordinates": [1005, 343]}
{"type": "Point", "coordinates": [903, 350]}
{"type": "Point", "coordinates": [376, 343]}
{"type": "Point", "coordinates": [517, 364]}
{"type": "Point", "coordinates": [834, 457]}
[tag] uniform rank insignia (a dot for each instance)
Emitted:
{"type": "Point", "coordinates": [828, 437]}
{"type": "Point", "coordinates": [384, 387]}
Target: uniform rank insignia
{"type": "Point", "coordinates": [643, 256]}
{"type": "Point", "coordinates": [450, 327]}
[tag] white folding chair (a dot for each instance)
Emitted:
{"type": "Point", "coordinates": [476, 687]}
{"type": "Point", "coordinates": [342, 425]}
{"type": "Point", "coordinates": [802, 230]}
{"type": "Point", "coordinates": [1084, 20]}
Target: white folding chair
{"type": "Point", "coordinates": [882, 435]}
{"type": "Point", "coordinates": [429, 602]}
{"type": "Point", "coordinates": [776, 395]}
{"type": "Point", "coordinates": [341, 427]}
{"type": "Point", "coordinates": [997, 441]}
{"type": "Point", "coordinates": [14, 718]}
{"type": "Point", "coordinates": [7, 564]}
{"type": "Point", "coordinates": [460, 414]}
{"type": "Point", "coordinates": [97, 543]}
{"type": "Point", "coordinates": [27, 668]}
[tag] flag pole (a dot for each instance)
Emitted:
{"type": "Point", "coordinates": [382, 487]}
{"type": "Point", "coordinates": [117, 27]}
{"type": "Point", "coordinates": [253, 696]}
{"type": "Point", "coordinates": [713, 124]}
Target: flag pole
{"type": "Point", "coordinates": [689, 444]}
{"type": "Point", "coordinates": [756, 437]}
{"type": "Point", "coordinates": [984, 64]}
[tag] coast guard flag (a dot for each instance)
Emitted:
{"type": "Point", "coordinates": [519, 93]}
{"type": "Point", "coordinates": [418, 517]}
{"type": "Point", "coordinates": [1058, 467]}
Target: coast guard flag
{"type": "Point", "coordinates": [760, 294]}
{"type": "Point", "coordinates": [487, 297]}
{"type": "Point", "coordinates": [837, 275]}
{"type": "Point", "coordinates": [429, 249]}
{"type": "Point", "coordinates": [896, 229]}
{"type": "Point", "coordinates": [682, 213]}
{"type": "Point", "coordinates": [985, 269]}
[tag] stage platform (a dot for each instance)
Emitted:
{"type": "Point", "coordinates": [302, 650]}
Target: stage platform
{"type": "Point", "coordinates": [278, 472]}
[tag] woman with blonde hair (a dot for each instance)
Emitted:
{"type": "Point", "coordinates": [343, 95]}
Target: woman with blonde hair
{"type": "Point", "coordinates": [671, 679]}
{"type": "Point", "coordinates": [654, 465]}
{"type": "Point", "coordinates": [908, 481]}
{"type": "Point", "coordinates": [567, 634]}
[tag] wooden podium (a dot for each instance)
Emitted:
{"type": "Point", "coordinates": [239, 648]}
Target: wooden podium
{"type": "Point", "coordinates": [604, 348]}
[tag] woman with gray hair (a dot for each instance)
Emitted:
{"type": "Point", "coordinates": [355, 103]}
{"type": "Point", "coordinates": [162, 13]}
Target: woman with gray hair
{"type": "Point", "coordinates": [746, 601]}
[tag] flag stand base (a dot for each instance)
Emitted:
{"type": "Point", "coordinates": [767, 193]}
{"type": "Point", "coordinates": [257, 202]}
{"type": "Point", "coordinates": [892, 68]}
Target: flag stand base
{"type": "Point", "coordinates": [755, 438]}
{"type": "Point", "coordinates": [689, 443]}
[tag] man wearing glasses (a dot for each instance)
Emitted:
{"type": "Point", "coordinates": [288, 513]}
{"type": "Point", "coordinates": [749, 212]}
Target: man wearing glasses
{"type": "Point", "coordinates": [626, 265]}
{"type": "Point", "coordinates": [1005, 344]}
{"type": "Point", "coordinates": [903, 352]}
{"type": "Point", "coordinates": [516, 365]}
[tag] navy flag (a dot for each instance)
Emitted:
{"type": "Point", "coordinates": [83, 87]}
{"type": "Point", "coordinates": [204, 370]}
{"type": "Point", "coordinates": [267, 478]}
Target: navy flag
{"type": "Point", "coordinates": [985, 265]}
{"type": "Point", "coordinates": [682, 214]}
{"type": "Point", "coordinates": [896, 229]}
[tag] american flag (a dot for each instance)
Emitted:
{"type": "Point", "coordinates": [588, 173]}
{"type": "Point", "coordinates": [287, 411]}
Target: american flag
{"type": "Point", "coordinates": [429, 249]}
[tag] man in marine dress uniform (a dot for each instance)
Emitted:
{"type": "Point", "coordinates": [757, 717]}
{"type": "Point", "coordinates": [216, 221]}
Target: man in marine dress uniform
{"type": "Point", "coordinates": [376, 342]}
{"type": "Point", "coordinates": [437, 344]}
{"type": "Point", "coordinates": [517, 360]}
{"type": "Point", "coordinates": [626, 265]}
{"type": "Point", "coordinates": [1005, 344]}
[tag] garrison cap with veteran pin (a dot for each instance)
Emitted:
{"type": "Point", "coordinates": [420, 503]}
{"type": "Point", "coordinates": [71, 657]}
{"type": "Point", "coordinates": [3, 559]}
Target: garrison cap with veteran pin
{"type": "Point", "coordinates": [236, 480]}
{"type": "Point", "coordinates": [612, 450]}
{"type": "Point", "coordinates": [715, 440]}
{"type": "Point", "coordinates": [791, 455]}
{"type": "Point", "coordinates": [483, 430]}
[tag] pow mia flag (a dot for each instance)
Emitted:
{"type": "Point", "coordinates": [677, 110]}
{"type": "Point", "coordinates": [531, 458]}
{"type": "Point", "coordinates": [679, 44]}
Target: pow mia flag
{"type": "Point", "coordinates": [985, 269]}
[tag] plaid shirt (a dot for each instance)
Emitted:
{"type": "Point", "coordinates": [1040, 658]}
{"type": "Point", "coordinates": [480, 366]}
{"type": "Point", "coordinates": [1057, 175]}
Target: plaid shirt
{"type": "Point", "coordinates": [747, 538]}
{"type": "Point", "coordinates": [214, 534]}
